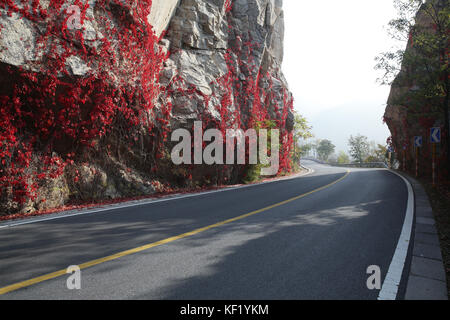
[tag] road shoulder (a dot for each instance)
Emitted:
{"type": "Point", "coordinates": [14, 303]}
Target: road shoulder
{"type": "Point", "coordinates": [427, 278]}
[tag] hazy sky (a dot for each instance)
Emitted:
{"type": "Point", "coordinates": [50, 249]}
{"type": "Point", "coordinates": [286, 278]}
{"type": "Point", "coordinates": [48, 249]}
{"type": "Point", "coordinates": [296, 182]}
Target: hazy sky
{"type": "Point", "coordinates": [330, 48]}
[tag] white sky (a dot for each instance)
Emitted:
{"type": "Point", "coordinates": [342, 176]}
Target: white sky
{"type": "Point", "coordinates": [330, 47]}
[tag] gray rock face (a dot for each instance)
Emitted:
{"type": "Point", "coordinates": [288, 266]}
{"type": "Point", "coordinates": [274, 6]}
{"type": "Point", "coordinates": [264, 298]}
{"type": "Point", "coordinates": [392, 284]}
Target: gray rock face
{"type": "Point", "coordinates": [223, 66]}
{"type": "Point", "coordinates": [202, 34]}
{"type": "Point", "coordinates": [19, 36]}
{"type": "Point", "coordinates": [161, 14]}
{"type": "Point", "coordinates": [408, 114]}
{"type": "Point", "coordinates": [17, 40]}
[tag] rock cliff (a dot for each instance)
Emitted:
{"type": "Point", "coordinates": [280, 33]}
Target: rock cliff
{"type": "Point", "coordinates": [91, 91]}
{"type": "Point", "coordinates": [414, 105]}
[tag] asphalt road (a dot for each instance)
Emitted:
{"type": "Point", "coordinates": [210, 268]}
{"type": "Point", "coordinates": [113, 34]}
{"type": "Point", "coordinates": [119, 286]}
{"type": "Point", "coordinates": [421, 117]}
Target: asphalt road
{"type": "Point", "coordinates": [313, 247]}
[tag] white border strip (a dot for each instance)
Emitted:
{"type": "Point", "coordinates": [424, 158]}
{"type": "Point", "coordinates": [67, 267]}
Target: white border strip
{"type": "Point", "coordinates": [391, 284]}
{"type": "Point", "coordinates": [112, 207]}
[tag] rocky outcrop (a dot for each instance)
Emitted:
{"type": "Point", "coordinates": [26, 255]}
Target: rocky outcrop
{"type": "Point", "coordinates": [414, 107]}
{"type": "Point", "coordinates": [161, 14]}
{"type": "Point", "coordinates": [208, 42]}
{"type": "Point", "coordinates": [90, 104]}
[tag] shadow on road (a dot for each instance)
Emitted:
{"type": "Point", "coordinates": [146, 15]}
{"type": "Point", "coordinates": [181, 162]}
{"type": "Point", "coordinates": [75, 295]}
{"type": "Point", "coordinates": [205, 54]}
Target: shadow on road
{"type": "Point", "coordinates": [312, 251]}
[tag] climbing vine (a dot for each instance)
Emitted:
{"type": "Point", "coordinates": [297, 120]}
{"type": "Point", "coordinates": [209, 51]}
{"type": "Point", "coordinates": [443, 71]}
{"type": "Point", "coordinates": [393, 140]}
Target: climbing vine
{"type": "Point", "coordinates": [81, 88]}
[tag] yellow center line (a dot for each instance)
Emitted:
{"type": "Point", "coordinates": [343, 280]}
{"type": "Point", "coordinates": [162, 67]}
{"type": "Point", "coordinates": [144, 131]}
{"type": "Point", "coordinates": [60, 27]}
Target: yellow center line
{"type": "Point", "coordinates": [92, 263]}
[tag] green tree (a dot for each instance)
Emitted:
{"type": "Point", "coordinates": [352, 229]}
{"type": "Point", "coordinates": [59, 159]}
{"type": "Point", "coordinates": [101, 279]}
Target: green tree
{"type": "Point", "coordinates": [302, 131]}
{"type": "Point", "coordinates": [325, 149]}
{"type": "Point", "coordinates": [314, 146]}
{"type": "Point", "coordinates": [359, 148]}
{"type": "Point", "coordinates": [343, 158]}
{"type": "Point", "coordinates": [254, 170]}
{"type": "Point", "coordinates": [305, 149]}
{"type": "Point", "coordinates": [377, 153]}
{"type": "Point", "coordinates": [423, 68]}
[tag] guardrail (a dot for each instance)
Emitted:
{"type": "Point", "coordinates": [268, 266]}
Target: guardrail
{"type": "Point", "coordinates": [315, 160]}
{"type": "Point", "coordinates": [362, 165]}
{"type": "Point", "coordinates": [352, 165]}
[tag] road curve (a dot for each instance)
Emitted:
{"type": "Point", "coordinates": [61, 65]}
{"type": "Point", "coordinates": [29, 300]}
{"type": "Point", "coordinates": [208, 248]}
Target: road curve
{"type": "Point", "coordinates": [311, 237]}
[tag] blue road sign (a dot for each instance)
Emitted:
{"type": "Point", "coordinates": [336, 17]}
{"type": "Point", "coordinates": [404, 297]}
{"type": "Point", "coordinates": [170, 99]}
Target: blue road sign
{"type": "Point", "coordinates": [435, 135]}
{"type": "Point", "coordinates": [418, 142]}
{"type": "Point", "coordinates": [391, 149]}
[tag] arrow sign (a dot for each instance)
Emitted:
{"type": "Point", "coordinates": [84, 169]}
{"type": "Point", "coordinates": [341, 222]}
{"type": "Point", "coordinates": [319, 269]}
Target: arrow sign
{"type": "Point", "coordinates": [435, 135]}
{"type": "Point", "coordinates": [418, 142]}
{"type": "Point", "coordinates": [391, 149]}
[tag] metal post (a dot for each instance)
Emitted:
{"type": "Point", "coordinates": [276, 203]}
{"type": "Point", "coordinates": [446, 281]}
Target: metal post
{"type": "Point", "coordinates": [434, 164]}
{"type": "Point", "coordinates": [417, 162]}
{"type": "Point", "coordinates": [390, 159]}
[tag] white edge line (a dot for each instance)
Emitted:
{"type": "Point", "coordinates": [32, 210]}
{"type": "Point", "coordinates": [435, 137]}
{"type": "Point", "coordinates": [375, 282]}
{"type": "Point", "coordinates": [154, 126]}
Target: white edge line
{"type": "Point", "coordinates": [391, 284]}
{"type": "Point", "coordinates": [125, 205]}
